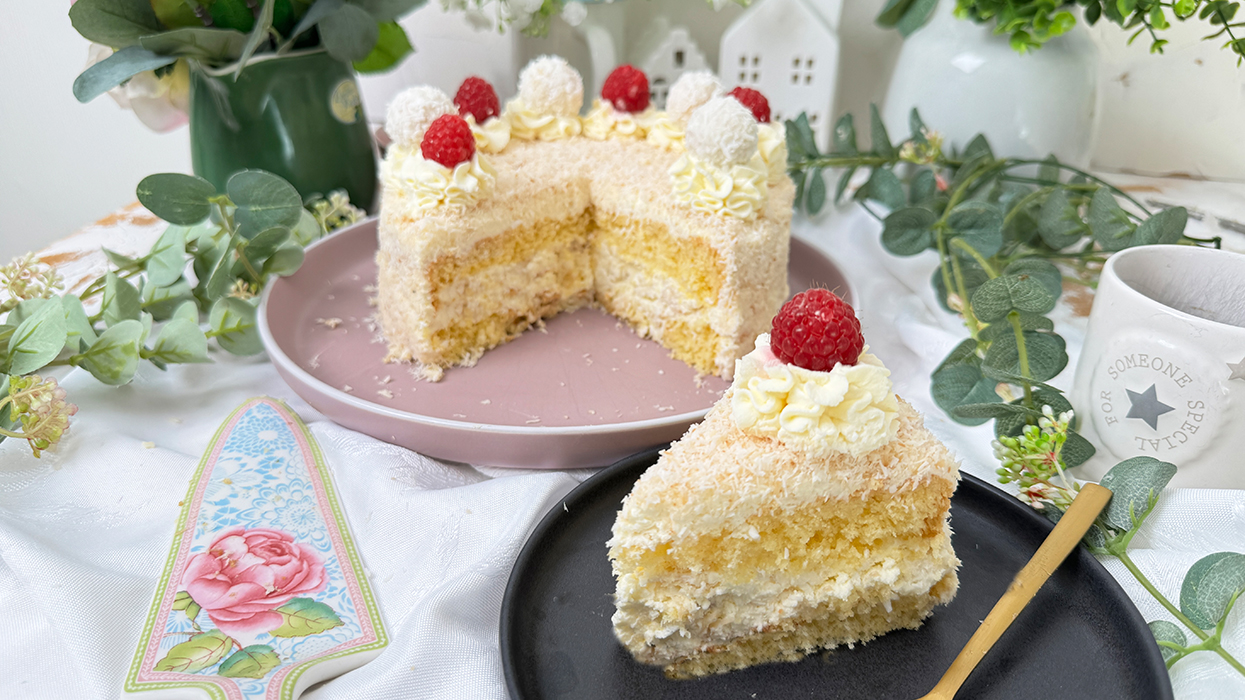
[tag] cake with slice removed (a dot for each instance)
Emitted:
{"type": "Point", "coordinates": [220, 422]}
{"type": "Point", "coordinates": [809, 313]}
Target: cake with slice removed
{"type": "Point", "coordinates": [808, 510]}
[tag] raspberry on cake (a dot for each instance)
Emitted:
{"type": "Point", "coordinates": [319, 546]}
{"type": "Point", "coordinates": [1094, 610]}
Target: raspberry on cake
{"type": "Point", "coordinates": [474, 248]}
{"type": "Point", "coordinates": [754, 101]}
{"type": "Point", "coordinates": [817, 330]}
{"type": "Point", "coordinates": [623, 110]}
{"type": "Point", "coordinates": [808, 510]}
{"type": "Point", "coordinates": [626, 89]}
{"type": "Point", "coordinates": [477, 98]}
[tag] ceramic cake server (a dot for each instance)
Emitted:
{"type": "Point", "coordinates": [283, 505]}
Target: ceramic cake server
{"type": "Point", "coordinates": [263, 592]}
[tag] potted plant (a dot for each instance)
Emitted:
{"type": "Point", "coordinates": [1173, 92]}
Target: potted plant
{"type": "Point", "coordinates": [266, 84]}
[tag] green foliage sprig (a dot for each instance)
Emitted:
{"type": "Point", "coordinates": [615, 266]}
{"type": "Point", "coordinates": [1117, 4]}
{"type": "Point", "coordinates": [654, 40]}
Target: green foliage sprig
{"type": "Point", "coordinates": [222, 36]}
{"type": "Point", "coordinates": [1009, 233]}
{"type": "Point", "coordinates": [1210, 587]}
{"type": "Point", "coordinates": [1029, 24]}
{"type": "Point", "coordinates": [200, 281]}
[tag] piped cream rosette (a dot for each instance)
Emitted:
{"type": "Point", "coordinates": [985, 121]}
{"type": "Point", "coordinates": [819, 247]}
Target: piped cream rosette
{"type": "Point", "coordinates": [851, 409]}
{"type": "Point", "coordinates": [603, 122]}
{"type": "Point", "coordinates": [721, 172]}
{"type": "Point", "coordinates": [431, 185]}
{"type": "Point", "coordinates": [492, 136]}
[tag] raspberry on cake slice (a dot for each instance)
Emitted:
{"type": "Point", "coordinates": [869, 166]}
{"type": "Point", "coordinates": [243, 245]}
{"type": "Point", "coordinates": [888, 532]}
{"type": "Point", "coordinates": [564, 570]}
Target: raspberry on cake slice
{"type": "Point", "coordinates": [476, 97]}
{"type": "Point", "coordinates": [809, 510]}
{"type": "Point", "coordinates": [448, 141]}
{"type": "Point", "coordinates": [754, 101]}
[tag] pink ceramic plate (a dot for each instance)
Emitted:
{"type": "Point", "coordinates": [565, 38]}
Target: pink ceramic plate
{"type": "Point", "coordinates": [584, 392]}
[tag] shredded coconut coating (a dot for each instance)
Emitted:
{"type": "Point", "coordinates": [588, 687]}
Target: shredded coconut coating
{"type": "Point", "coordinates": [690, 91]}
{"type": "Point", "coordinates": [550, 85]}
{"type": "Point", "coordinates": [722, 132]}
{"type": "Point", "coordinates": [412, 111]}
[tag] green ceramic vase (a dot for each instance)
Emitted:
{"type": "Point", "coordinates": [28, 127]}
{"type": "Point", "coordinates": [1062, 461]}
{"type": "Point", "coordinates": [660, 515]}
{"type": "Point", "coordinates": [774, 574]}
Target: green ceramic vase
{"type": "Point", "coordinates": [298, 116]}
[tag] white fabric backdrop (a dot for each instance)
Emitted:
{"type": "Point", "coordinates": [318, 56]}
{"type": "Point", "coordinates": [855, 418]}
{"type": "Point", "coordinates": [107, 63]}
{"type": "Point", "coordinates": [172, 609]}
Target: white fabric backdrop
{"type": "Point", "coordinates": [83, 532]}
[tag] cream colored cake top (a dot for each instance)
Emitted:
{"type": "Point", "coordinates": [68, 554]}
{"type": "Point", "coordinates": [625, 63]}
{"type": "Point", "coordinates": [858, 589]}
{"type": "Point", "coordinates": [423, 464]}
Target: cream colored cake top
{"type": "Point", "coordinates": [717, 476]}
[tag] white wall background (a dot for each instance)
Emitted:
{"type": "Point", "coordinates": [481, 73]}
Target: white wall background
{"type": "Point", "coordinates": [64, 164]}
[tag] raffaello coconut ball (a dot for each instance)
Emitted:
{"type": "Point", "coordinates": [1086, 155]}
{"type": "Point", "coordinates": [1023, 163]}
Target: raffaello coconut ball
{"type": "Point", "coordinates": [722, 132]}
{"type": "Point", "coordinates": [412, 111]}
{"type": "Point", "coordinates": [690, 91]}
{"type": "Point", "coordinates": [550, 85]}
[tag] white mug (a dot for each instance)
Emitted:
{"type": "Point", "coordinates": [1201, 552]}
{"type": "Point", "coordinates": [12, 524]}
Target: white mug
{"type": "Point", "coordinates": [1162, 370]}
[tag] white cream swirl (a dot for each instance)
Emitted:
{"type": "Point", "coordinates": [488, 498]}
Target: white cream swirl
{"type": "Point", "coordinates": [740, 191]}
{"type": "Point", "coordinates": [850, 409]}
{"type": "Point", "coordinates": [431, 185]}
{"type": "Point", "coordinates": [603, 122]}
{"type": "Point", "coordinates": [665, 132]}
{"type": "Point", "coordinates": [772, 145]}
{"type": "Point", "coordinates": [492, 136]}
{"type": "Point", "coordinates": [531, 125]}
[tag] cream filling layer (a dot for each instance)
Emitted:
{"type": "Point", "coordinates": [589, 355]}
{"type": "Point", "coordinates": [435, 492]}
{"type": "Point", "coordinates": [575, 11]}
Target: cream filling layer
{"type": "Point", "coordinates": [851, 409]}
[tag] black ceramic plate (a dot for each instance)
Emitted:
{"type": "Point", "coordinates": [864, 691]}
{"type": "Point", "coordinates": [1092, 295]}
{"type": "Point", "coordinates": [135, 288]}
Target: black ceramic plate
{"type": "Point", "coordinates": [1080, 637]}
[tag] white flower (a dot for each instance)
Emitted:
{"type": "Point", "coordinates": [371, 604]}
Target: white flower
{"type": "Point", "coordinates": [162, 103]}
{"type": "Point", "coordinates": [574, 13]}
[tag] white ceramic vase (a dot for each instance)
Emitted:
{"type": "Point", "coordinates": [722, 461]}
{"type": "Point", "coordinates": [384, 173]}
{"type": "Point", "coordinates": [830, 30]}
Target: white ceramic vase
{"type": "Point", "coordinates": [966, 80]}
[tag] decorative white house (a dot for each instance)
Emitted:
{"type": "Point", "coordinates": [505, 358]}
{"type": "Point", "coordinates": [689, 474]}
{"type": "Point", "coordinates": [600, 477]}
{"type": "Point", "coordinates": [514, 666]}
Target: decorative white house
{"type": "Point", "coordinates": [789, 50]}
{"type": "Point", "coordinates": [664, 53]}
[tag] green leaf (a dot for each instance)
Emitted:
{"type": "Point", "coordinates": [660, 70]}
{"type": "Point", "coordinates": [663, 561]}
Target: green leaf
{"type": "Point", "coordinates": [1134, 482]}
{"type": "Point", "coordinates": [1059, 224]}
{"type": "Point", "coordinates": [1049, 171]}
{"type": "Point", "coordinates": [960, 385]}
{"type": "Point", "coordinates": [1043, 395]}
{"type": "Point", "coordinates": [25, 310]}
{"type": "Point", "coordinates": [1041, 270]}
{"type": "Point", "coordinates": [120, 302]}
{"type": "Point", "coordinates": [116, 69]}
{"type": "Point", "coordinates": [258, 35]}
{"type": "Point", "coordinates": [1028, 322]}
{"type": "Point", "coordinates": [978, 147]}
{"type": "Point", "coordinates": [161, 302]}
{"type": "Point", "coordinates": [188, 310]}
{"type": "Point", "coordinates": [349, 33]}
{"type": "Point", "coordinates": [1110, 225]}
{"type": "Point", "coordinates": [286, 261]}
{"type": "Point", "coordinates": [304, 616]}
{"type": "Point", "coordinates": [844, 180]}
{"type": "Point", "coordinates": [37, 340]}
{"type": "Point", "coordinates": [197, 653]}
{"type": "Point", "coordinates": [204, 43]}
{"type": "Point", "coordinates": [1166, 226]}
{"type": "Point", "coordinates": [389, 10]}
{"type": "Point", "coordinates": [392, 45]}
{"type": "Point", "coordinates": [182, 601]}
{"type": "Point", "coordinates": [892, 12]}
{"type": "Point", "coordinates": [916, 17]}
{"type": "Point", "coordinates": [318, 11]}
{"type": "Point", "coordinates": [877, 134]}
{"type": "Point", "coordinates": [843, 137]}
{"type": "Point", "coordinates": [1165, 631]}
{"type": "Point", "coordinates": [259, 248]}
{"type": "Point", "coordinates": [221, 277]}
{"type": "Point", "coordinates": [177, 198]}
{"type": "Point", "coordinates": [232, 321]}
{"type": "Point", "coordinates": [167, 260]}
{"type": "Point", "coordinates": [993, 300]}
{"type": "Point", "coordinates": [232, 14]}
{"type": "Point", "coordinates": [264, 201]}
{"type": "Point", "coordinates": [77, 325]}
{"type": "Point", "coordinates": [254, 661]}
{"type": "Point", "coordinates": [993, 410]}
{"type": "Point", "coordinates": [999, 375]}
{"type": "Point", "coordinates": [908, 231]}
{"type": "Point", "coordinates": [180, 342]}
{"type": "Point", "coordinates": [308, 230]}
{"type": "Point", "coordinates": [1212, 582]}
{"type": "Point", "coordinates": [1046, 352]}
{"type": "Point", "coordinates": [113, 358]}
{"type": "Point", "coordinates": [805, 136]}
{"type": "Point", "coordinates": [980, 225]}
{"type": "Point", "coordinates": [917, 127]}
{"type": "Point", "coordinates": [883, 187]}
{"type": "Point", "coordinates": [923, 187]}
{"type": "Point", "coordinates": [816, 192]}
{"type": "Point", "coordinates": [1077, 450]}
{"type": "Point", "coordinates": [115, 23]}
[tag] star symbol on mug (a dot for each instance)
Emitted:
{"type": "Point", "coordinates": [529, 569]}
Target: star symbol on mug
{"type": "Point", "coordinates": [1147, 406]}
{"type": "Point", "coordinates": [1238, 370]}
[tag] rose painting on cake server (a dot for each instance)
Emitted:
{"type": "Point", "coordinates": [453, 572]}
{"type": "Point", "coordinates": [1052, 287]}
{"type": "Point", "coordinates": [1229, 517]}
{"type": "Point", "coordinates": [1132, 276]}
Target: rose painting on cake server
{"type": "Point", "coordinates": [249, 582]}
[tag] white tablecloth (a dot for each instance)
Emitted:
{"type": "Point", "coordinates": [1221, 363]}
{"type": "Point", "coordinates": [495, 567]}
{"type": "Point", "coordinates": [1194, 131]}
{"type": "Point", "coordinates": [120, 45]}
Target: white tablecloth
{"type": "Point", "coordinates": [84, 531]}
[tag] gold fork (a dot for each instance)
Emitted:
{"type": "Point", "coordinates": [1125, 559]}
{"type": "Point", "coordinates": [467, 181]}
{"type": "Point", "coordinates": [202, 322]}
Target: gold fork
{"type": "Point", "coordinates": [1062, 540]}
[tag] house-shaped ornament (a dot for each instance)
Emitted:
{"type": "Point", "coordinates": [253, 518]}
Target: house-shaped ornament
{"type": "Point", "coordinates": [664, 53]}
{"type": "Point", "coordinates": [789, 50]}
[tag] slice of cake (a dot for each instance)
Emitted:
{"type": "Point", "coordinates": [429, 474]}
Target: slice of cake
{"type": "Point", "coordinates": [493, 220]}
{"type": "Point", "coordinates": [808, 510]}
